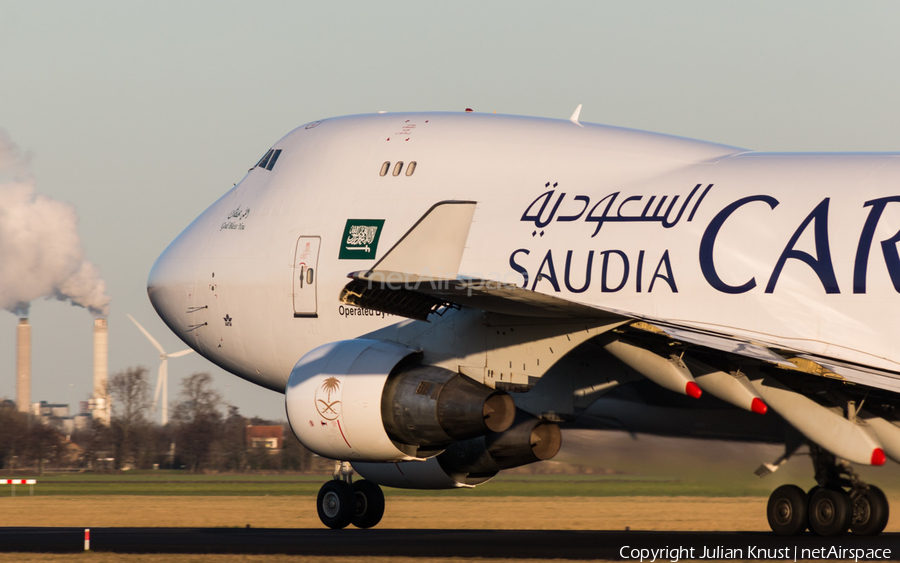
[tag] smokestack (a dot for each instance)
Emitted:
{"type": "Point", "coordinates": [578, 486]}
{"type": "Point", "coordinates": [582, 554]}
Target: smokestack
{"type": "Point", "coordinates": [101, 371]}
{"type": "Point", "coordinates": [23, 366]}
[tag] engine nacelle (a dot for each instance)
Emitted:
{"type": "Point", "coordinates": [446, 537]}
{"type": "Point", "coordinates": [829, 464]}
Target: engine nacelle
{"type": "Point", "coordinates": [369, 400]}
{"type": "Point", "coordinates": [471, 462]}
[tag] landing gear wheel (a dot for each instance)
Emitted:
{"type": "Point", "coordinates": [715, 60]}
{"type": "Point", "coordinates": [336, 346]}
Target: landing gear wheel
{"type": "Point", "coordinates": [336, 503]}
{"type": "Point", "coordinates": [870, 513]}
{"type": "Point", "coordinates": [830, 512]}
{"type": "Point", "coordinates": [369, 506]}
{"type": "Point", "coordinates": [786, 510]}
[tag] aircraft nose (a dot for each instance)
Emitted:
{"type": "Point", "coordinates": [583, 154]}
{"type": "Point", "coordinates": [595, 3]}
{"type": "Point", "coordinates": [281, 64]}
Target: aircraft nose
{"type": "Point", "coordinates": [170, 285]}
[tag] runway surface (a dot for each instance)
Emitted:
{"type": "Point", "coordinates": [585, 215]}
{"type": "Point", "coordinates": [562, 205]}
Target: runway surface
{"type": "Point", "coordinates": [518, 544]}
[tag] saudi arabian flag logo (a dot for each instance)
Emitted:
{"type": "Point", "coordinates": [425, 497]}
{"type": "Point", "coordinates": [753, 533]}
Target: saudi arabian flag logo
{"type": "Point", "coordinates": [360, 240]}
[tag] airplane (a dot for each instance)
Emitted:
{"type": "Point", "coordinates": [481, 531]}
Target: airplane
{"type": "Point", "coordinates": [437, 294]}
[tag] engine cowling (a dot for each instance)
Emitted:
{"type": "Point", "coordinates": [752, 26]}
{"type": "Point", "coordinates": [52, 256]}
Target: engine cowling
{"type": "Point", "coordinates": [471, 462]}
{"type": "Point", "coordinates": [370, 400]}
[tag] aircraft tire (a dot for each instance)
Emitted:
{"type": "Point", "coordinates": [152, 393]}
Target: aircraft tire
{"type": "Point", "coordinates": [830, 512]}
{"type": "Point", "coordinates": [870, 513]}
{"type": "Point", "coordinates": [786, 510]}
{"type": "Point", "coordinates": [369, 506]}
{"type": "Point", "coordinates": [335, 504]}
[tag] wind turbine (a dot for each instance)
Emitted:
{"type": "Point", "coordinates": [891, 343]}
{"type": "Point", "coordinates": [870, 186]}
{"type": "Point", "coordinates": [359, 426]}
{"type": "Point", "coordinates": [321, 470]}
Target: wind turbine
{"type": "Point", "coordinates": [162, 381]}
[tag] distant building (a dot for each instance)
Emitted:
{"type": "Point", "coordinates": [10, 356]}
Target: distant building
{"type": "Point", "coordinates": [82, 421]}
{"type": "Point", "coordinates": [66, 425]}
{"type": "Point", "coordinates": [268, 437]}
{"type": "Point", "coordinates": [54, 415]}
{"type": "Point", "coordinates": [46, 409]}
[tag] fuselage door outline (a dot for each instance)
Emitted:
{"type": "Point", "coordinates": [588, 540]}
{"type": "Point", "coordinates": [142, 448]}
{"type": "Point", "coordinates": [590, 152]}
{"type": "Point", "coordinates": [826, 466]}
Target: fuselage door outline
{"type": "Point", "coordinates": [305, 274]}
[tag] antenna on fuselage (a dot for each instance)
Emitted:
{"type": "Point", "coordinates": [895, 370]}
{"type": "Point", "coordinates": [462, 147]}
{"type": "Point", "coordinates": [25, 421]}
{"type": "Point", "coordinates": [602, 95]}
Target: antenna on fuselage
{"type": "Point", "coordinates": [575, 114]}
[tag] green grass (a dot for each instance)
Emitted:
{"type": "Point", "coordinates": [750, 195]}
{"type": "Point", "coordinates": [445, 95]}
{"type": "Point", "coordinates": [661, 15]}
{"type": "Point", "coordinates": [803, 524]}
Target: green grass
{"type": "Point", "coordinates": [169, 476]}
{"type": "Point", "coordinates": [176, 483]}
{"type": "Point", "coordinates": [661, 477]}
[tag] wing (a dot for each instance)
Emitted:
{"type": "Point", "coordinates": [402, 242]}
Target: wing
{"type": "Point", "coordinates": [820, 396]}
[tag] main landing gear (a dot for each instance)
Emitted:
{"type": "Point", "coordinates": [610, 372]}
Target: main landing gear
{"type": "Point", "coordinates": [839, 502]}
{"type": "Point", "coordinates": [342, 501]}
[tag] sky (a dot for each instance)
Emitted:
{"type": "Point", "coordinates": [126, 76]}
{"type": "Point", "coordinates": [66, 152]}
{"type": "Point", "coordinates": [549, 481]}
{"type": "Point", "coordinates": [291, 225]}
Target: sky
{"type": "Point", "coordinates": [140, 114]}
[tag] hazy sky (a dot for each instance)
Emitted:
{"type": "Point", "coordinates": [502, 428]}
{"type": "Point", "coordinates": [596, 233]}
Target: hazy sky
{"type": "Point", "coordinates": [140, 114]}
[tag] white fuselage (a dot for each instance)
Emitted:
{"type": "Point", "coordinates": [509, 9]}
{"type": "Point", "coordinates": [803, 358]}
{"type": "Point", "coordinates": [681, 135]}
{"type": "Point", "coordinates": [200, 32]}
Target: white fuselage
{"type": "Point", "coordinates": [791, 250]}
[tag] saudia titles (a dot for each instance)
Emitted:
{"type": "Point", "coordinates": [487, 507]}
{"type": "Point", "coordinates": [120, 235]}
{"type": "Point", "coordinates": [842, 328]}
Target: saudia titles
{"type": "Point", "coordinates": [618, 270]}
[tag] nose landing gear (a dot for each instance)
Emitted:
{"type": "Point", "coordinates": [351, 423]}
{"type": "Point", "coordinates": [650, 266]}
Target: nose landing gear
{"type": "Point", "coordinates": [828, 509]}
{"type": "Point", "coordinates": [342, 501]}
{"type": "Point", "coordinates": [369, 507]}
{"type": "Point", "coordinates": [335, 504]}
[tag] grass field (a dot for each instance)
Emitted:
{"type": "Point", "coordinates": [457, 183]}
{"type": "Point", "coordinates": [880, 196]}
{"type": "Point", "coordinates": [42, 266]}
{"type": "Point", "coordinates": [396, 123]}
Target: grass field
{"type": "Point", "coordinates": [561, 502]}
{"type": "Point", "coordinates": [645, 484]}
{"type": "Point", "coordinates": [175, 483]}
{"type": "Point", "coordinates": [606, 464]}
{"type": "Point", "coordinates": [527, 513]}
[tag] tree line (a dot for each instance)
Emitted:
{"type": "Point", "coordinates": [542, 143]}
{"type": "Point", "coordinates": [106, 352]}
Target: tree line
{"type": "Point", "coordinates": [204, 434]}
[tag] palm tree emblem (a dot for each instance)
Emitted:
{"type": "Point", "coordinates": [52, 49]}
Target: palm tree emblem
{"type": "Point", "coordinates": [329, 409]}
{"type": "Point", "coordinates": [331, 385]}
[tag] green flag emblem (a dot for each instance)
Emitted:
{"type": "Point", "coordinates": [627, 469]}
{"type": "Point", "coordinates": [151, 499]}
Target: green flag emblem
{"type": "Point", "coordinates": [360, 240]}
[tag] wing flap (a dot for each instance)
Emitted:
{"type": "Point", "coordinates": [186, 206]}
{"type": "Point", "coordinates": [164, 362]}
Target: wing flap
{"type": "Point", "coordinates": [417, 297]}
{"type": "Point", "coordinates": [723, 343]}
{"type": "Point", "coordinates": [861, 375]}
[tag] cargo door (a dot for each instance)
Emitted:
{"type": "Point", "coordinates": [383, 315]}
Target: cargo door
{"type": "Point", "coordinates": [306, 260]}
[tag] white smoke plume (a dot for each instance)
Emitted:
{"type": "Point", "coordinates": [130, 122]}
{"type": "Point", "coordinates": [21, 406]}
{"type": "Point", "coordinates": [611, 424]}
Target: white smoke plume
{"type": "Point", "coordinates": [40, 250]}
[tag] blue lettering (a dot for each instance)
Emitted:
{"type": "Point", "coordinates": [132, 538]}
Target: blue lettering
{"type": "Point", "coordinates": [517, 267]}
{"type": "Point", "coordinates": [669, 278]}
{"type": "Point", "coordinates": [640, 270]}
{"type": "Point", "coordinates": [822, 264]}
{"type": "Point", "coordinates": [599, 219]}
{"type": "Point", "coordinates": [587, 273]}
{"type": "Point", "coordinates": [575, 217]}
{"type": "Point", "coordinates": [546, 196]}
{"type": "Point", "coordinates": [603, 277]}
{"type": "Point", "coordinates": [888, 247]}
{"type": "Point", "coordinates": [708, 242]}
{"type": "Point", "coordinates": [550, 276]}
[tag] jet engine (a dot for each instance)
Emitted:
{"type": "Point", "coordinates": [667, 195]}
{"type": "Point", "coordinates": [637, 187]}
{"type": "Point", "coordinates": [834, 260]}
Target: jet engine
{"type": "Point", "coordinates": [474, 461]}
{"type": "Point", "coordinates": [370, 400]}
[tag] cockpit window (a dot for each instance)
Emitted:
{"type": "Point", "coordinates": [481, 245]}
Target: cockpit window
{"type": "Point", "coordinates": [274, 158]}
{"type": "Point", "coordinates": [265, 159]}
{"type": "Point", "coordinates": [268, 161]}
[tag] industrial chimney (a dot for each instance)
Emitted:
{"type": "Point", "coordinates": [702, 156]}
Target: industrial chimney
{"type": "Point", "coordinates": [23, 366]}
{"type": "Point", "coordinates": [101, 404]}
